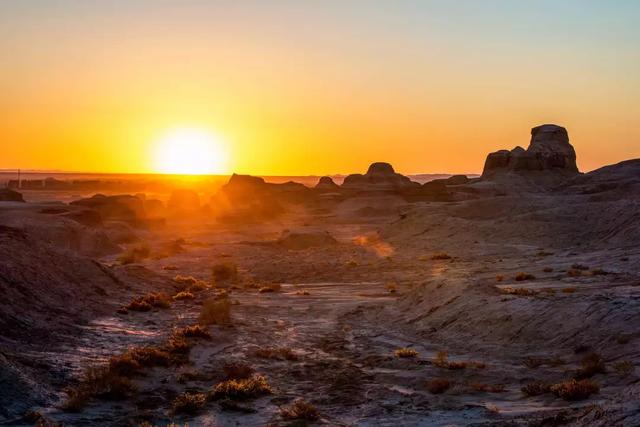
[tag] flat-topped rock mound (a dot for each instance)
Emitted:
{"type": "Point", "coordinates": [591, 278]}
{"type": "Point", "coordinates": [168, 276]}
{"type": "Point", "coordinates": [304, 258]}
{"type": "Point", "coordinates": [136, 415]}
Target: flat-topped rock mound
{"type": "Point", "coordinates": [8, 195]}
{"type": "Point", "coordinates": [549, 150]}
{"type": "Point", "coordinates": [379, 176]}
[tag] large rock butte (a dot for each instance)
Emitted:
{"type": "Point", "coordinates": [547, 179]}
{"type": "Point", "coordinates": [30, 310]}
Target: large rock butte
{"type": "Point", "coordinates": [549, 150]}
{"type": "Point", "coordinates": [379, 176]}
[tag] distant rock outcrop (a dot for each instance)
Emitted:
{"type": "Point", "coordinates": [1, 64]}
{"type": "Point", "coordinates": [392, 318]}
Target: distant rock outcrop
{"type": "Point", "coordinates": [379, 176]}
{"type": "Point", "coordinates": [326, 184]}
{"type": "Point", "coordinates": [8, 195]}
{"type": "Point", "coordinates": [124, 207]}
{"type": "Point", "coordinates": [549, 150]}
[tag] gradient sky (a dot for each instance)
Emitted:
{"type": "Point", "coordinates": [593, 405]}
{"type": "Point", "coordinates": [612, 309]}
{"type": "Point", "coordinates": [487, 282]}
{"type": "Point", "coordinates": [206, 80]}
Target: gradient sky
{"type": "Point", "coordinates": [297, 87]}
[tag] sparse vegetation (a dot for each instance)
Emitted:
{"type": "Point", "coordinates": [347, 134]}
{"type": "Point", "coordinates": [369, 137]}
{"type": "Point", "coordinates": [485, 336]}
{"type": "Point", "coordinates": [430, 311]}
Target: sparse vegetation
{"type": "Point", "coordinates": [522, 276]}
{"type": "Point", "coordinates": [193, 331]}
{"type": "Point", "coordinates": [224, 272]}
{"type": "Point", "coordinates": [300, 410]}
{"type": "Point", "coordinates": [569, 290]}
{"type": "Point", "coordinates": [272, 287]}
{"type": "Point", "coordinates": [575, 390]}
{"type": "Point", "coordinates": [599, 272]}
{"type": "Point", "coordinates": [183, 295]}
{"type": "Point", "coordinates": [499, 278]}
{"type": "Point", "coordinates": [488, 388]}
{"type": "Point", "coordinates": [438, 385]}
{"type": "Point", "coordinates": [624, 368]}
{"type": "Point", "coordinates": [215, 312]}
{"type": "Point", "coordinates": [572, 272]}
{"type": "Point", "coordinates": [237, 371]}
{"type": "Point", "coordinates": [442, 361]}
{"type": "Point", "coordinates": [536, 388]}
{"type": "Point", "coordinates": [278, 353]}
{"type": "Point", "coordinates": [148, 301]}
{"type": "Point", "coordinates": [522, 292]}
{"type": "Point", "coordinates": [547, 269]}
{"type": "Point", "coordinates": [405, 353]}
{"type": "Point", "coordinates": [392, 287]}
{"type": "Point", "coordinates": [579, 267]}
{"type": "Point", "coordinates": [188, 403]}
{"type": "Point", "coordinates": [135, 254]}
{"type": "Point", "coordinates": [440, 256]}
{"type": "Point", "coordinates": [241, 389]}
{"type": "Point", "coordinates": [189, 284]}
{"type": "Point", "coordinates": [591, 364]}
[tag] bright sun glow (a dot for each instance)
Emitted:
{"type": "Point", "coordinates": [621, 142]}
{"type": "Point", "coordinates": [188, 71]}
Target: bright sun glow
{"type": "Point", "coordinates": [190, 152]}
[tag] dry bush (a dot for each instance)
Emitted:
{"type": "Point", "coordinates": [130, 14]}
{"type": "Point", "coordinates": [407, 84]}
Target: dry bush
{"type": "Point", "coordinates": [624, 368]}
{"type": "Point", "coordinates": [189, 283]}
{"type": "Point", "coordinates": [215, 312]}
{"type": "Point", "coordinates": [440, 256]}
{"type": "Point", "coordinates": [124, 310]}
{"type": "Point", "coordinates": [544, 253]}
{"type": "Point", "coordinates": [135, 254]}
{"type": "Point", "coordinates": [224, 272]}
{"type": "Point", "coordinates": [193, 331]}
{"type": "Point", "coordinates": [237, 371]}
{"type": "Point", "coordinates": [188, 403]}
{"type": "Point", "coordinates": [241, 389]}
{"type": "Point", "coordinates": [568, 290]}
{"type": "Point", "coordinates": [178, 347]}
{"type": "Point", "coordinates": [579, 267]}
{"type": "Point", "coordinates": [591, 364]}
{"type": "Point", "coordinates": [273, 287]}
{"type": "Point", "coordinates": [150, 300]}
{"type": "Point", "coordinates": [488, 388]}
{"type": "Point", "coordinates": [522, 292]}
{"type": "Point", "coordinates": [442, 361]}
{"type": "Point", "coordinates": [392, 287]}
{"type": "Point", "coordinates": [535, 362]}
{"type": "Point", "coordinates": [149, 356]}
{"type": "Point", "coordinates": [406, 352]}
{"type": "Point", "coordinates": [183, 295]}
{"type": "Point", "coordinates": [278, 353]}
{"type": "Point", "coordinates": [599, 272]}
{"type": "Point", "coordinates": [547, 269]}
{"type": "Point", "coordinates": [303, 293]}
{"type": "Point", "coordinates": [575, 390]}
{"type": "Point", "coordinates": [98, 382]}
{"type": "Point", "coordinates": [438, 385]}
{"type": "Point", "coordinates": [536, 388]}
{"type": "Point", "coordinates": [170, 268]}
{"type": "Point", "coordinates": [572, 272]}
{"type": "Point", "coordinates": [522, 276]}
{"type": "Point", "coordinates": [550, 291]}
{"type": "Point", "coordinates": [352, 263]}
{"type": "Point", "coordinates": [300, 410]}
{"type": "Point", "coordinates": [499, 278]}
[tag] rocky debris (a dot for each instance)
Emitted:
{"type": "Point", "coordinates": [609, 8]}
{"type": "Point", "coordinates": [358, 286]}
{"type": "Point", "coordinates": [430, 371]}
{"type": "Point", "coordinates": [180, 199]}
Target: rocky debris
{"type": "Point", "coordinates": [623, 176]}
{"type": "Point", "coordinates": [549, 150]}
{"type": "Point", "coordinates": [8, 195]}
{"type": "Point", "coordinates": [326, 184]}
{"type": "Point", "coordinates": [305, 240]}
{"type": "Point", "coordinates": [124, 207]}
{"type": "Point", "coordinates": [379, 176]}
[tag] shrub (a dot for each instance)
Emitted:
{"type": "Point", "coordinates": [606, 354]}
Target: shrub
{"type": "Point", "coordinates": [442, 361]}
{"type": "Point", "coordinates": [522, 276]}
{"type": "Point", "coordinates": [97, 382]}
{"type": "Point", "coordinates": [183, 295]}
{"type": "Point", "coordinates": [624, 368]}
{"type": "Point", "coordinates": [579, 267]}
{"type": "Point", "coordinates": [575, 390]}
{"type": "Point", "coordinates": [303, 293]}
{"type": "Point", "coordinates": [406, 352]}
{"type": "Point", "coordinates": [599, 272]}
{"type": "Point", "coordinates": [188, 403]}
{"type": "Point", "coordinates": [278, 353]}
{"type": "Point", "coordinates": [523, 292]}
{"type": "Point", "coordinates": [499, 278]}
{"type": "Point", "coordinates": [149, 356]}
{"type": "Point", "coordinates": [273, 287]}
{"type": "Point", "coordinates": [568, 290]}
{"type": "Point", "coordinates": [135, 254]}
{"type": "Point", "coordinates": [193, 331]}
{"type": "Point", "coordinates": [536, 388]}
{"type": "Point", "coordinates": [591, 364]}
{"type": "Point", "coordinates": [215, 312]}
{"type": "Point", "coordinates": [224, 272]}
{"type": "Point", "coordinates": [440, 256]}
{"type": "Point", "coordinates": [488, 388]}
{"type": "Point", "coordinates": [189, 283]}
{"type": "Point", "coordinates": [300, 410]}
{"type": "Point", "coordinates": [237, 371]}
{"type": "Point", "coordinates": [170, 268]}
{"type": "Point", "coordinates": [438, 385]}
{"type": "Point", "coordinates": [146, 302]}
{"type": "Point", "coordinates": [391, 287]}
{"type": "Point", "coordinates": [241, 389]}
{"type": "Point", "coordinates": [572, 272]}
{"type": "Point", "coordinates": [547, 269]}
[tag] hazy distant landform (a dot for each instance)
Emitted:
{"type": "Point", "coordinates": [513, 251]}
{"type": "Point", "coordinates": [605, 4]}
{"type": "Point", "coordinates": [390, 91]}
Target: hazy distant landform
{"type": "Point", "coordinates": [511, 298]}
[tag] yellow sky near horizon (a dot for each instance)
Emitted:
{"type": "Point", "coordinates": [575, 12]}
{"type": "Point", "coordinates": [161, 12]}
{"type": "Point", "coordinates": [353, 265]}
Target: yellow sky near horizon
{"type": "Point", "coordinates": [296, 90]}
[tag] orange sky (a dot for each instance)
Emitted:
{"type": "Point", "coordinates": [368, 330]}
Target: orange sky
{"type": "Point", "coordinates": [299, 89]}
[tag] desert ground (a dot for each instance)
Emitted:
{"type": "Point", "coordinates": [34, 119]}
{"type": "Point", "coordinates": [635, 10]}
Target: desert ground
{"type": "Point", "coordinates": [508, 299]}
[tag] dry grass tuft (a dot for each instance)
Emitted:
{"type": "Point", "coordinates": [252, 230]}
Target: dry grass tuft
{"type": "Point", "coordinates": [237, 371]}
{"type": "Point", "coordinates": [193, 331]}
{"type": "Point", "coordinates": [392, 287]}
{"type": "Point", "coordinates": [303, 293]}
{"type": "Point", "coordinates": [547, 269]}
{"type": "Point", "coordinates": [188, 403]}
{"type": "Point", "coordinates": [522, 276]}
{"type": "Point", "coordinates": [150, 300]}
{"type": "Point", "coordinates": [215, 312]}
{"type": "Point", "coordinates": [591, 364]}
{"type": "Point", "coordinates": [273, 287]}
{"type": "Point", "coordinates": [575, 390]}
{"type": "Point", "coordinates": [499, 278]}
{"type": "Point", "coordinates": [568, 290]}
{"type": "Point", "coordinates": [442, 361]}
{"type": "Point", "coordinates": [440, 256]}
{"type": "Point", "coordinates": [522, 292]}
{"type": "Point", "coordinates": [277, 353]}
{"type": "Point", "coordinates": [406, 352]}
{"type": "Point", "coordinates": [536, 388]}
{"type": "Point", "coordinates": [438, 385]}
{"type": "Point", "coordinates": [300, 410]}
{"type": "Point", "coordinates": [135, 254]}
{"type": "Point", "coordinates": [579, 267]}
{"type": "Point", "coordinates": [488, 388]}
{"type": "Point", "coordinates": [572, 272]}
{"type": "Point", "coordinates": [241, 389]}
{"type": "Point", "coordinates": [599, 272]}
{"type": "Point", "coordinates": [224, 272]}
{"type": "Point", "coordinates": [624, 368]}
{"type": "Point", "coordinates": [183, 295]}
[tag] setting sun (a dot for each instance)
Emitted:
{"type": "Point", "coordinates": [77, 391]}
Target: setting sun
{"type": "Point", "coordinates": [190, 152]}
